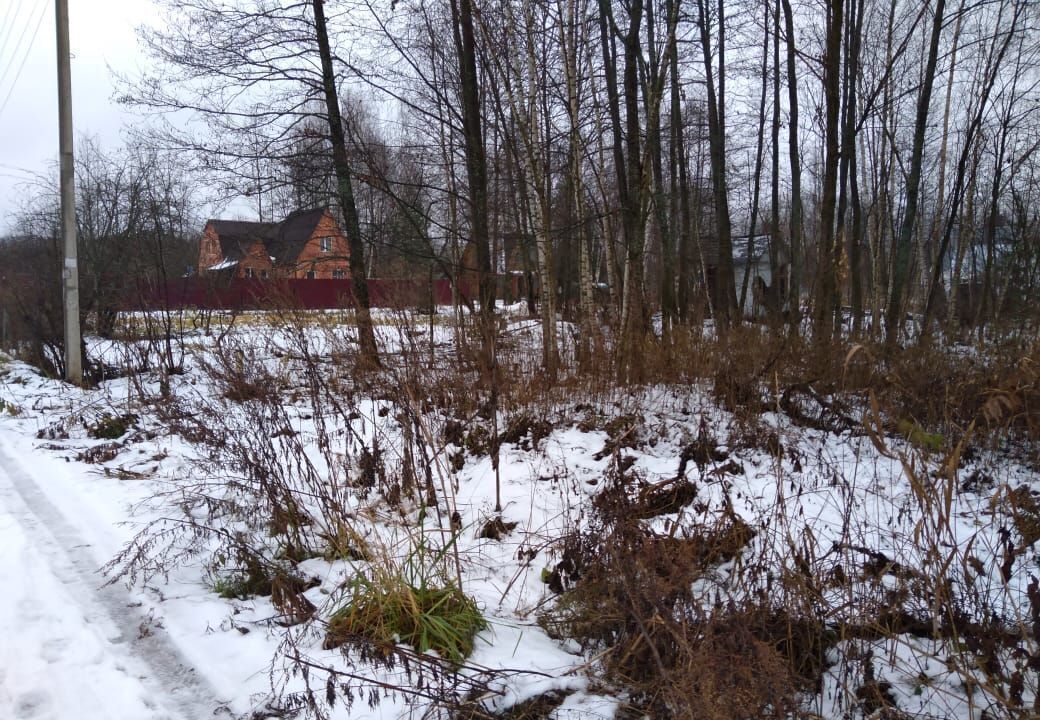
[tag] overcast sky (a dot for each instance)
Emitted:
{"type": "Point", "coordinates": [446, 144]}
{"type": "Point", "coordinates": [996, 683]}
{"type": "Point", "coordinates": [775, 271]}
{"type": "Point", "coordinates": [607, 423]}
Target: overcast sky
{"type": "Point", "coordinates": [102, 36]}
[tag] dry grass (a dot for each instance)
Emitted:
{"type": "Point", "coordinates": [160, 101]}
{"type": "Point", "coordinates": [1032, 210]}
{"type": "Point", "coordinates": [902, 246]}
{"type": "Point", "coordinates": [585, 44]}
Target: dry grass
{"type": "Point", "coordinates": [637, 598]}
{"type": "Point", "coordinates": [629, 596]}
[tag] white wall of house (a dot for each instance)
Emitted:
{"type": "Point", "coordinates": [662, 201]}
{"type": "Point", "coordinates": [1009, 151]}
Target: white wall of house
{"type": "Point", "coordinates": [760, 269]}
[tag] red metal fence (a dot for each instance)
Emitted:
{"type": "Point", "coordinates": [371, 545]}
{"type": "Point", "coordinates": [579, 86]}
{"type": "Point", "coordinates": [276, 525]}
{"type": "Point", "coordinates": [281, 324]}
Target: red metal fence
{"type": "Point", "coordinates": [257, 294]}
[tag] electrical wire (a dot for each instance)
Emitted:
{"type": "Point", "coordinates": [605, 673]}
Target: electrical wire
{"type": "Point", "coordinates": [28, 50]}
{"type": "Point", "coordinates": [8, 25]}
{"type": "Point", "coordinates": [17, 48]}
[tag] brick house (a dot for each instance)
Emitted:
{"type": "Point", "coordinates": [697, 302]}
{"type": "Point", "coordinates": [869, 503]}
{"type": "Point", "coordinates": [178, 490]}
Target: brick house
{"type": "Point", "coordinates": [306, 244]}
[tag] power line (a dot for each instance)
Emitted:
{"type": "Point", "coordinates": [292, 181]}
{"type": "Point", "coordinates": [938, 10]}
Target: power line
{"type": "Point", "coordinates": [9, 27]}
{"type": "Point", "coordinates": [16, 168]}
{"type": "Point", "coordinates": [18, 74]}
{"type": "Point", "coordinates": [21, 38]}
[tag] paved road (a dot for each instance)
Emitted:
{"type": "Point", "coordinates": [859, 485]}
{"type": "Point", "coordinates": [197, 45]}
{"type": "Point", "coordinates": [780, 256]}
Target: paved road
{"type": "Point", "coordinates": [69, 648]}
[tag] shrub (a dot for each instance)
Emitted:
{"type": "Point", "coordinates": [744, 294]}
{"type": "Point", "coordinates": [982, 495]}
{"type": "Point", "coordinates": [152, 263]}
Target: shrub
{"type": "Point", "coordinates": [111, 427]}
{"type": "Point", "coordinates": [239, 586]}
{"type": "Point", "coordinates": [250, 574]}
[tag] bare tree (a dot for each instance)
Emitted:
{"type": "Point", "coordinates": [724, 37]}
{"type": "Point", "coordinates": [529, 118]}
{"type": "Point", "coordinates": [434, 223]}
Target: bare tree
{"type": "Point", "coordinates": [250, 73]}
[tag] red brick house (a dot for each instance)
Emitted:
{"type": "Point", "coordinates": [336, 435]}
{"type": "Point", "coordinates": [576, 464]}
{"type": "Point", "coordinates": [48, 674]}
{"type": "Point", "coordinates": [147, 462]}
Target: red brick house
{"type": "Point", "coordinates": [307, 244]}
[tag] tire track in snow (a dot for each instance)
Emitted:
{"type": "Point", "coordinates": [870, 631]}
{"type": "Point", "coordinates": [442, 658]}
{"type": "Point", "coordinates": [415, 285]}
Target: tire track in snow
{"type": "Point", "coordinates": [172, 690]}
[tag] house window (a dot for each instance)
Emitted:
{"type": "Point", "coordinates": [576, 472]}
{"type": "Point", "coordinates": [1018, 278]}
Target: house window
{"type": "Point", "coordinates": [326, 244]}
{"type": "Point", "coordinates": [263, 274]}
{"type": "Point", "coordinates": [338, 274]}
{"type": "Point", "coordinates": [250, 273]}
{"type": "Point", "coordinates": [310, 274]}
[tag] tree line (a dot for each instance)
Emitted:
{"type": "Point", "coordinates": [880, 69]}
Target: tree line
{"type": "Point", "coordinates": [137, 223]}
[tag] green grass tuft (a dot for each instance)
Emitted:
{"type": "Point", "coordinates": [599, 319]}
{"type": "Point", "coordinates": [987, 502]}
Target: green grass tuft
{"type": "Point", "coordinates": [919, 438]}
{"type": "Point", "coordinates": [389, 610]}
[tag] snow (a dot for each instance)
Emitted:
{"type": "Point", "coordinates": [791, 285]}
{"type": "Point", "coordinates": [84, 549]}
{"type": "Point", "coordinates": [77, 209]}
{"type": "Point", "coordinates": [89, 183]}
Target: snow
{"type": "Point", "coordinates": [71, 647]}
{"type": "Point", "coordinates": [104, 632]}
{"type": "Point", "coordinates": [168, 647]}
{"type": "Point", "coordinates": [223, 265]}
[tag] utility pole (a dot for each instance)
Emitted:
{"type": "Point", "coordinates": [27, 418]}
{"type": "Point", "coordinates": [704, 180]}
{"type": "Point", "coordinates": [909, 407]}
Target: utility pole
{"type": "Point", "coordinates": [73, 355]}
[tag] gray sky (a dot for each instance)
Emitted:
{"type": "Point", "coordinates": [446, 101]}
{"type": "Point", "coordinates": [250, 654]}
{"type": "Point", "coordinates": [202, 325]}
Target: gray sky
{"type": "Point", "coordinates": [102, 36]}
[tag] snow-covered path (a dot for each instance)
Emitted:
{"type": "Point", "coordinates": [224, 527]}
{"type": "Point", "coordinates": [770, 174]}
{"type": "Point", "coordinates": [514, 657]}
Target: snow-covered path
{"type": "Point", "coordinates": [70, 648]}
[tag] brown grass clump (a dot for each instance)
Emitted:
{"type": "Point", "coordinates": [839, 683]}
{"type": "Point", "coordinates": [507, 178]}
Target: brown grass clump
{"type": "Point", "coordinates": [628, 595]}
{"type": "Point", "coordinates": [735, 666]}
{"type": "Point", "coordinates": [1024, 509]}
{"type": "Point", "coordinates": [1014, 401]}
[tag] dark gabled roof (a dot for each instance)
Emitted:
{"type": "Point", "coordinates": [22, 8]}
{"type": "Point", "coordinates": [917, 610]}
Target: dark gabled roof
{"type": "Point", "coordinates": [287, 238]}
{"type": "Point", "coordinates": [283, 240]}
{"type": "Point", "coordinates": [237, 236]}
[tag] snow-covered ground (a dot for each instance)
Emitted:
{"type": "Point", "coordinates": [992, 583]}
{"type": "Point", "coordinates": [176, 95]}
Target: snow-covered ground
{"type": "Point", "coordinates": [73, 648]}
{"type": "Point", "coordinates": [168, 646]}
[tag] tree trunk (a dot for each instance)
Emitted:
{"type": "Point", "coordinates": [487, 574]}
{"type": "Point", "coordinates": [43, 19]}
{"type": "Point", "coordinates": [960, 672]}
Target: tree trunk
{"type": "Point", "coordinates": [848, 174]}
{"type": "Point", "coordinates": [678, 143]}
{"type": "Point", "coordinates": [984, 88]}
{"type": "Point", "coordinates": [797, 258]}
{"type": "Point", "coordinates": [904, 241]}
{"type": "Point", "coordinates": [476, 172]}
{"type": "Point", "coordinates": [937, 216]}
{"type": "Point", "coordinates": [774, 224]}
{"type": "Point", "coordinates": [359, 283]}
{"type": "Point", "coordinates": [725, 290]}
{"type": "Point", "coordinates": [826, 301]}
{"type": "Point", "coordinates": [572, 39]}
{"type": "Point", "coordinates": [757, 177]}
